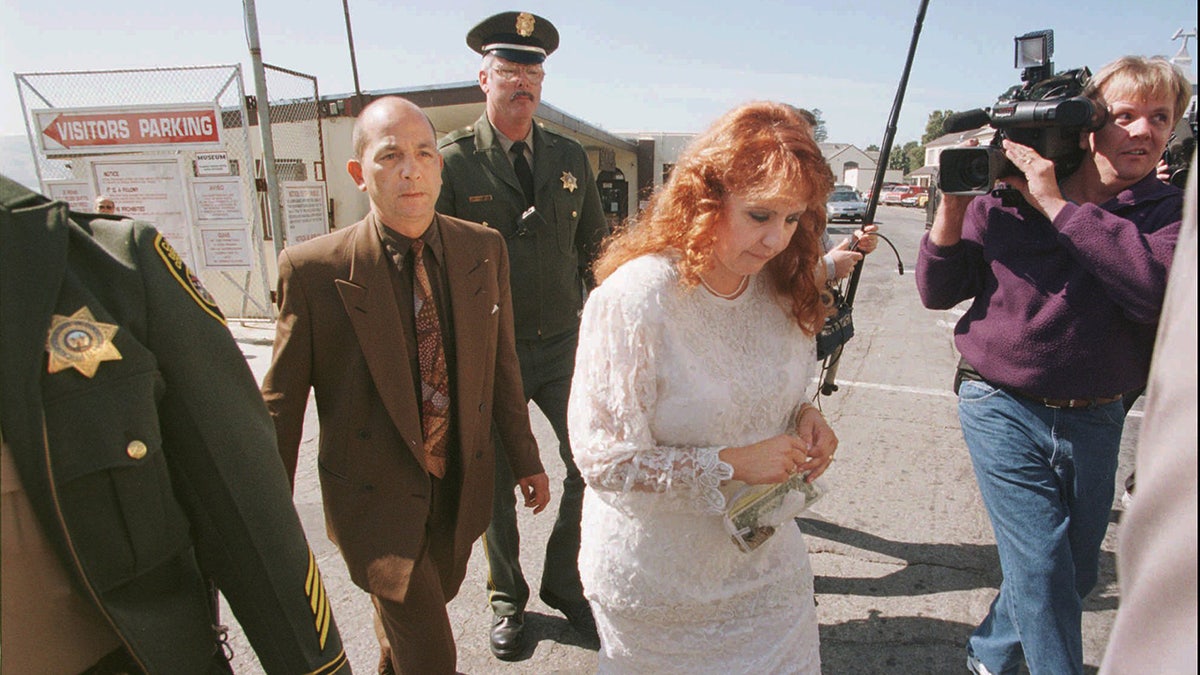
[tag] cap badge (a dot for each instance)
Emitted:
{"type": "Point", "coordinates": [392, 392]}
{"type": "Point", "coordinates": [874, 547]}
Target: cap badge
{"type": "Point", "coordinates": [569, 182]}
{"type": "Point", "coordinates": [525, 24]}
{"type": "Point", "coordinates": [81, 342]}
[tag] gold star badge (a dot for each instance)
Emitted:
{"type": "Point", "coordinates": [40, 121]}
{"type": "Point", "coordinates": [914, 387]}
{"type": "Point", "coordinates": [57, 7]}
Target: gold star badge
{"type": "Point", "coordinates": [569, 182]}
{"type": "Point", "coordinates": [81, 342]}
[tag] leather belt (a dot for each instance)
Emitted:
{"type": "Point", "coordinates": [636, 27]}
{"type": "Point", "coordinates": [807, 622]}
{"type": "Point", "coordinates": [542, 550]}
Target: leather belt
{"type": "Point", "coordinates": [1066, 402]}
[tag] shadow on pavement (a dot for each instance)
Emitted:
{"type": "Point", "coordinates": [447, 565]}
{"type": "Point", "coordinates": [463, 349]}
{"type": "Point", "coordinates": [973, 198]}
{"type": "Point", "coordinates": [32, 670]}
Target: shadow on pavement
{"type": "Point", "coordinates": [906, 644]}
{"type": "Point", "coordinates": [926, 566]}
{"type": "Point", "coordinates": [553, 628]}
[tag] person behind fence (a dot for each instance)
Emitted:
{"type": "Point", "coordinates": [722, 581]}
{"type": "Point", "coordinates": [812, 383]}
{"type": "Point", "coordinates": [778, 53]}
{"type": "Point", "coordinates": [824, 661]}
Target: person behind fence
{"type": "Point", "coordinates": [536, 187]}
{"type": "Point", "coordinates": [692, 380]}
{"type": "Point", "coordinates": [1066, 289]}
{"type": "Point", "coordinates": [137, 465]}
{"type": "Point", "coordinates": [402, 325]}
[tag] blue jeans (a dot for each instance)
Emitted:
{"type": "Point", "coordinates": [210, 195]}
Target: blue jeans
{"type": "Point", "coordinates": [1046, 476]}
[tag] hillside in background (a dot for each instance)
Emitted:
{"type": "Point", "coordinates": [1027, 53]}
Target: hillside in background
{"type": "Point", "coordinates": [16, 162]}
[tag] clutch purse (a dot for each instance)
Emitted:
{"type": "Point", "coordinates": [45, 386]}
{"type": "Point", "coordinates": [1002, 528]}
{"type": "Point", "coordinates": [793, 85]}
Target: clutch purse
{"type": "Point", "coordinates": [756, 511]}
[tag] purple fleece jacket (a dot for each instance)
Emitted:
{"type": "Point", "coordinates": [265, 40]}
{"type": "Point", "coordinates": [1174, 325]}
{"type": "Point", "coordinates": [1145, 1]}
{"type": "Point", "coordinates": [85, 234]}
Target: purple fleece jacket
{"type": "Point", "coordinates": [1066, 309]}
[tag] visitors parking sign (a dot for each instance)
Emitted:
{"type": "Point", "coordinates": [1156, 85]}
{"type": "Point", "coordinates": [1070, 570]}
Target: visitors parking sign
{"type": "Point", "coordinates": [74, 131]}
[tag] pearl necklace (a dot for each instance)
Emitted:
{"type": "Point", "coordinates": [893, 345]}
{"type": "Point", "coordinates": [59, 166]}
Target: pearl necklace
{"type": "Point", "coordinates": [727, 296]}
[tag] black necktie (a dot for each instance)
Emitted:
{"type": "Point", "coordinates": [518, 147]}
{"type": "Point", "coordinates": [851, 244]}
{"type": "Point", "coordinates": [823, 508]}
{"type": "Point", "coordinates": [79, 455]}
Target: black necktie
{"type": "Point", "coordinates": [524, 173]}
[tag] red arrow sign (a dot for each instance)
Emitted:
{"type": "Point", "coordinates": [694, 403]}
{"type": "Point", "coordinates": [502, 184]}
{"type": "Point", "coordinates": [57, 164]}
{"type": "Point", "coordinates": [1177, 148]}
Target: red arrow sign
{"type": "Point", "coordinates": [127, 129]}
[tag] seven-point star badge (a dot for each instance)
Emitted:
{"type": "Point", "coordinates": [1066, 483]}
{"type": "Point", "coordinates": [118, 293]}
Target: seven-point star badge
{"type": "Point", "coordinates": [569, 182]}
{"type": "Point", "coordinates": [81, 342]}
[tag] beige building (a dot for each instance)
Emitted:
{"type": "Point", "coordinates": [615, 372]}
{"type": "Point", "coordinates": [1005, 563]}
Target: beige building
{"type": "Point", "coordinates": [456, 105]}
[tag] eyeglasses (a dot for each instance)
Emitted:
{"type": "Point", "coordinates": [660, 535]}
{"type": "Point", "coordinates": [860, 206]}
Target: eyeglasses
{"type": "Point", "coordinates": [532, 74]}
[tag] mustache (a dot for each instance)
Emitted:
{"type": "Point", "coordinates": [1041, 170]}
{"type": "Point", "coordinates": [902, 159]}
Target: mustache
{"type": "Point", "coordinates": [521, 94]}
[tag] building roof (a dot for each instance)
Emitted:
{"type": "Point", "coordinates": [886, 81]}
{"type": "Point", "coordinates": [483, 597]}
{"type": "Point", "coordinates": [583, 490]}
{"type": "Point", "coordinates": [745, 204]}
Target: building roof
{"type": "Point", "coordinates": [832, 150]}
{"type": "Point", "coordinates": [459, 104]}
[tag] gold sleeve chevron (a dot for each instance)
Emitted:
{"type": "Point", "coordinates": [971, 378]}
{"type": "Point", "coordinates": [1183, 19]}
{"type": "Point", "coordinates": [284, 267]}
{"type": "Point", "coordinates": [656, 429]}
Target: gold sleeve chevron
{"type": "Point", "coordinates": [318, 600]}
{"type": "Point", "coordinates": [333, 666]}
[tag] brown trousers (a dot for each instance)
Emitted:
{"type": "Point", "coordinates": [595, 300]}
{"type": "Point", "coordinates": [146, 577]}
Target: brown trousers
{"type": "Point", "coordinates": [416, 633]}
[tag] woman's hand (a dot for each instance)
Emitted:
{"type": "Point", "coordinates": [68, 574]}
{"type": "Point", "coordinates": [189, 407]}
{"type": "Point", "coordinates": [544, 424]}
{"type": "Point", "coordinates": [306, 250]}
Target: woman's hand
{"type": "Point", "coordinates": [1038, 184]}
{"type": "Point", "coordinates": [865, 239]}
{"type": "Point", "coordinates": [844, 260]}
{"type": "Point", "coordinates": [771, 461]}
{"type": "Point", "coordinates": [816, 433]}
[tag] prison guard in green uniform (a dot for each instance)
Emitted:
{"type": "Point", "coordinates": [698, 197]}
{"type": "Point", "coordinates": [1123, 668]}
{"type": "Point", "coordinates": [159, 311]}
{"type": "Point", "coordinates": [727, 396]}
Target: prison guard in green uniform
{"type": "Point", "coordinates": [145, 447]}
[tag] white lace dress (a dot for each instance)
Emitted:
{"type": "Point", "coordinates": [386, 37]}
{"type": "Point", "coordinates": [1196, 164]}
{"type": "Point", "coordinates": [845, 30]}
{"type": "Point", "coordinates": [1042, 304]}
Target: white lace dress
{"type": "Point", "coordinates": [666, 377]}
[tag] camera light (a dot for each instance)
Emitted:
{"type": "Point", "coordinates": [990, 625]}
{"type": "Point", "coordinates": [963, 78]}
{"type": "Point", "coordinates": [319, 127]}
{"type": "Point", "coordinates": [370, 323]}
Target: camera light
{"type": "Point", "coordinates": [1033, 50]}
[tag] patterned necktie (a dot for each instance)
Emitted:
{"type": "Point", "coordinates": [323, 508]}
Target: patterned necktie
{"type": "Point", "coordinates": [524, 173]}
{"type": "Point", "coordinates": [435, 378]}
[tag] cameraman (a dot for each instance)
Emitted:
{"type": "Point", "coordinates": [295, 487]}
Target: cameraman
{"type": "Point", "coordinates": [1066, 290]}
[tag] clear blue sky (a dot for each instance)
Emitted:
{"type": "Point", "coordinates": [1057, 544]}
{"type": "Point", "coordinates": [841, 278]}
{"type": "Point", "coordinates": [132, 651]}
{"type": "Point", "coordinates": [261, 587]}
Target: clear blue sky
{"type": "Point", "coordinates": [623, 65]}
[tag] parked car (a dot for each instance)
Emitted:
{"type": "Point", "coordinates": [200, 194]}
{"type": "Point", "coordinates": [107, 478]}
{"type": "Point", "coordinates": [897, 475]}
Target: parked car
{"type": "Point", "coordinates": [896, 195]}
{"type": "Point", "coordinates": [884, 188]}
{"type": "Point", "coordinates": [918, 196]}
{"type": "Point", "coordinates": [845, 205]}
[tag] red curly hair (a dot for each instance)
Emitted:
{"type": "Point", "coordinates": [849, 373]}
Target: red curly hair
{"type": "Point", "coordinates": [757, 150]}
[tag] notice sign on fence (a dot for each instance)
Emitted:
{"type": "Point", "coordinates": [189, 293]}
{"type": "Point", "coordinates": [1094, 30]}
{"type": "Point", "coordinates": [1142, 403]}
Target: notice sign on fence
{"type": "Point", "coordinates": [226, 248]}
{"type": "Point", "coordinates": [150, 190]}
{"type": "Point", "coordinates": [304, 210]}
{"type": "Point", "coordinates": [76, 193]}
{"type": "Point", "coordinates": [218, 199]}
{"type": "Point", "coordinates": [211, 164]}
{"type": "Point", "coordinates": [73, 131]}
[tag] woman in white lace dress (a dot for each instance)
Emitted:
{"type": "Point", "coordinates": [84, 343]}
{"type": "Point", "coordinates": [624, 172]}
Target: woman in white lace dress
{"type": "Point", "coordinates": [691, 381]}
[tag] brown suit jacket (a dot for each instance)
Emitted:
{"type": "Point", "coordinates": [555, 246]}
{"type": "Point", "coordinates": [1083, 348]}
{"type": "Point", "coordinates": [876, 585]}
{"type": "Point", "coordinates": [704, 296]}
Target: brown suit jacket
{"type": "Point", "coordinates": [339, 332]}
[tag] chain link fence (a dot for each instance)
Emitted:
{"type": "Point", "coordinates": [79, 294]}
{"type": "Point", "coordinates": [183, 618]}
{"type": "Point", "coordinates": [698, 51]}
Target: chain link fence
{"type": "Point", "coordinates": [209, 199]}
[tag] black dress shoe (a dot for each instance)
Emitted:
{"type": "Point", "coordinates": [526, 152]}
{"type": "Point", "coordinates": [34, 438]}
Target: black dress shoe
{"type": "Point", "coordinates": [578, 613]}
{"type": "Point", "coordinates": [507, 636]}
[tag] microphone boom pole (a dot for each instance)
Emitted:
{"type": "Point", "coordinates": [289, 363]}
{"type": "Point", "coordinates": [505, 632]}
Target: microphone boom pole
{"type": "Point", "coordinates": [827, 382]}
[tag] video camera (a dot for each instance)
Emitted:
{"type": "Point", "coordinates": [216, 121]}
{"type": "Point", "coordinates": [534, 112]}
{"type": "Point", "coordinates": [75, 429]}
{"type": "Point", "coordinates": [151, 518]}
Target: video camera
{"type": "Point", "coordinates": [1047, 113]}
{"type": "Point", "coordinates": [1180, 147]}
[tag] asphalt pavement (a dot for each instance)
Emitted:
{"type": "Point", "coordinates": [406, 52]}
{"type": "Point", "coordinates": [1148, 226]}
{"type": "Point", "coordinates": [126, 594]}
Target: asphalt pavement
{"type": "Point", "coordinates": [903, 553]}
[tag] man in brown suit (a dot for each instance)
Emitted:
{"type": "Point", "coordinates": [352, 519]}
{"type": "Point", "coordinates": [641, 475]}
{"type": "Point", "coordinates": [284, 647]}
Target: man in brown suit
{"type": "Point", "coordinates": [404, 512]}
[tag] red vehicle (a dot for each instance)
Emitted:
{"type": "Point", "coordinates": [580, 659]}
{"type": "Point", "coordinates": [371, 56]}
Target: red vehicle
{"type": "Point", "coordinates": [882, 190]}
{"type": "Point", "coordinates": [897, 194]}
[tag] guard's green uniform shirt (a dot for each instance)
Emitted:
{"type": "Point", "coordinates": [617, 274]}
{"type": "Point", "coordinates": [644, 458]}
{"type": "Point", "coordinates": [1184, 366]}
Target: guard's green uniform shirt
{"type": "Point", "coordinates": [144, 445]}
{"type": "Point", "coordinates": [551, 257]}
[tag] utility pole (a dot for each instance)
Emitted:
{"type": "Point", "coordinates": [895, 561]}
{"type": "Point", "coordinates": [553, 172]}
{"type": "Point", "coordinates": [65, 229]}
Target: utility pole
{"type": "Point", "coordinates": [353, 59]}
{"type": "Point", "coordinates": [264, 126]}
